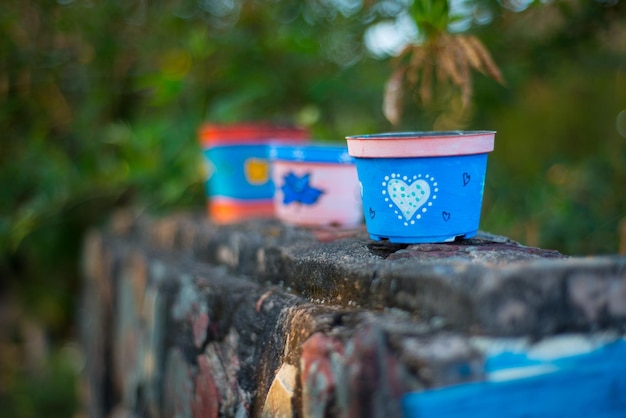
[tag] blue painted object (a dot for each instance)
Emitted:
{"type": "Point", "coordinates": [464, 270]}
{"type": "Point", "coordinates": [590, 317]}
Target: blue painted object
{"type": "Point", "coordinates": [580, 386]}
{"type": "Point", "coordinates": [425, 199]}
{"type": "Point", "coordinates": [238, 183]}
{"type": "Point", "coordinates": [311, 153]}
{"type": "Point", "coordinates": [240, 172]}
{"type": "Point", "coordinates": [298, 189]}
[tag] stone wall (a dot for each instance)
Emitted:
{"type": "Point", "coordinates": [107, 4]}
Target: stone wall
{"type": "Point", "coordinates": [182, 318]}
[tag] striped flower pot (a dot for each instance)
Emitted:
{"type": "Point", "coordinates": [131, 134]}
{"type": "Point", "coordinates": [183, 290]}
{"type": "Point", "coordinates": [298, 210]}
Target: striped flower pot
{"type": "Point", "coordinates": [236, 156]}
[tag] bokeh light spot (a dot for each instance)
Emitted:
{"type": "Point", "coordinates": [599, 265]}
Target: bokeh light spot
{"type": "Point", "coordinates": [620, 123]}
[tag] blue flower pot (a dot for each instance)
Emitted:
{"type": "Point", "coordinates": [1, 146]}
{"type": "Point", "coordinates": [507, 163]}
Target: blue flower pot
{"type": "Point", "coordinates": [422, 187]}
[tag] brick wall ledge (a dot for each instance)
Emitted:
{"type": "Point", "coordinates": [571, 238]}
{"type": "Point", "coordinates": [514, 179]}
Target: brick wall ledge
{"type": "Point", "coordinates": [184, 318]}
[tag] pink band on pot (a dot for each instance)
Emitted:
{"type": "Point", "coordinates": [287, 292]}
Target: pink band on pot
{"type": "Point", "coordinates": [420, 144]}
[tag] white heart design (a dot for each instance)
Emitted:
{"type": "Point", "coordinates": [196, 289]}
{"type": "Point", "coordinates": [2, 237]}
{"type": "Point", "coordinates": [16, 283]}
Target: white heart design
{"type": "Point", "coordinates": [408, 198]}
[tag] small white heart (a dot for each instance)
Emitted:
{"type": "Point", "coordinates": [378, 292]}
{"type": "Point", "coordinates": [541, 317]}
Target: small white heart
{"type": "Point", "coordinates": [408, 198]}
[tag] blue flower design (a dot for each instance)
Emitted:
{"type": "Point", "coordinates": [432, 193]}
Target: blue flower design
{"type": "Point", "coordinates": [298, 189]}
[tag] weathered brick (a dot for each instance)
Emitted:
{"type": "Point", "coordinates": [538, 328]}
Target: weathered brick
{"type": "Point", "coordinates": [184, 318]}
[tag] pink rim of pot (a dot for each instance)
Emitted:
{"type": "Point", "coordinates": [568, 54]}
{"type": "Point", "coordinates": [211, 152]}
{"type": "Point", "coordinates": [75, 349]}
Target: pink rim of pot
{"type": "Point", "coordinates": [420, 144]}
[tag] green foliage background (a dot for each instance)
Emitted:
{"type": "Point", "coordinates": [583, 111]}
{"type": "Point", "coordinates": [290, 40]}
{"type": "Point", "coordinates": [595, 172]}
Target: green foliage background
{"type": "Point", "coordinates": [100, 103]}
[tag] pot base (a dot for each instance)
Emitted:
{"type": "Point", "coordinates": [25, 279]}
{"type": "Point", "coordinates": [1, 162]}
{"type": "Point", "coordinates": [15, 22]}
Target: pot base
{"type": "Point", "coordinates": [422, 239]}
